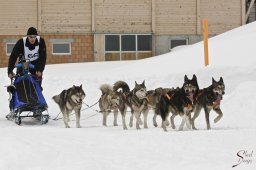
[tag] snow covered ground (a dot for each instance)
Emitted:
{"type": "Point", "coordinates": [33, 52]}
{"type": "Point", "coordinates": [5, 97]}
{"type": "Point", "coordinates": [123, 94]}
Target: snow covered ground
{"type": "Point", "coordinates": [32, 146]}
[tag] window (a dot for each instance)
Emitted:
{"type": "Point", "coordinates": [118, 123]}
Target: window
{"type": "Point", "coordinates": [9, 48]}
{"type": "Point", "coordinates": [61, 46]}
{"type": "Point", "coordinates": [128, 43]}
{"type": "Point", "coordinates": [177, 42]}
{"type": "Point", "coordinates": [144, 43]}
{"type": "Point", "coordinates": [127, 46]}
{"type": "Point", "coordinates": [112, 43]}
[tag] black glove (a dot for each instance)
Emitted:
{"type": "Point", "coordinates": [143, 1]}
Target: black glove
{"type": "Point", "coordinates": [11, 75]}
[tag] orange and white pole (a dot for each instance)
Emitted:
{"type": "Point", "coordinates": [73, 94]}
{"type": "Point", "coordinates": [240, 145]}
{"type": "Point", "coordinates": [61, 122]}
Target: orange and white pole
{"type": "Point", "coordinates": [205, 33]}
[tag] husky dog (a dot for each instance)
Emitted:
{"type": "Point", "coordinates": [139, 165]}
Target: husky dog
{"type": "Point", "coordinates": [209, 98]}
{"type": "Point", "coordinates": [153, 98]}
{"type": "Point", "coordinates": [69, 100]}
{"type": "Point", "coordinates": [123, 90]}
{"type": "Point", "coordinates": [178, 102]}
{"type": "Point", "coordinates": [138, 103]}
{"type": "Point", "coordinates": [136, 100]}
{"type": "Point", "coordinates": [109, 101]}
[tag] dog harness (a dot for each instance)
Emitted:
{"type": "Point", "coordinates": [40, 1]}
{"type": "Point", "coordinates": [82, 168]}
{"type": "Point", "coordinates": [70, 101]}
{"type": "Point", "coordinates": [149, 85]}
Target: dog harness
{"type": "Point", "coordinates": [199, 94]}
{"type": "Point", "coordinates": [31, 54]}
{"type": "Point", "coordinates": [189, 106]}
{"type": "Point", "coordinates": [149, 99]}
{"type": "Point", "coordinates": [169, 97]}
{"type": "Point", "coordinates": [217, 102]}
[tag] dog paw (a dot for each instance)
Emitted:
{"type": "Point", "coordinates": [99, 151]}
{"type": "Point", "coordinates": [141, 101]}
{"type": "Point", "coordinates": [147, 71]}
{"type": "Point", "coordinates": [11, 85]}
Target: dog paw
{"type": "Point", "coordinates": [194, 128]}
{"type": "Point", "coordinates": [115, 124]}
{"type": "Point", "coordinates": [79, 126]}
{"type": "Point", "coordinates": [67, 126]}
{"type": "Point", "coordinates": [216, 119]}
{"type": "Point", "coordinates": [155, 124]}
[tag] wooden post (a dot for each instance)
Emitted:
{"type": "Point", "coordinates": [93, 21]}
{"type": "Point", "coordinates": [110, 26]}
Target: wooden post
{"type": "Point", "coordinates": [205, 32]}
{"type": "Point", "coordinates": [39, 16]}
{"type": "Point", "coordinates": [93, 16]}
{"type": "Point", "coordinates": [198, 17]}
{"type": "Point", "coordinates": [153, 22]}
{"type": "Point", "coordinates": [153, 16]}
{"type": "Point", "coordinates": [243, 12]}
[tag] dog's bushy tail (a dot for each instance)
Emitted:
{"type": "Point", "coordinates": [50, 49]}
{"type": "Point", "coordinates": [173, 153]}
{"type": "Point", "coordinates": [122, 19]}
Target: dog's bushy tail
{"type": "Point", "coordinates": [106, 89]}
{"type": "Point", "coordinates": [123, 85]}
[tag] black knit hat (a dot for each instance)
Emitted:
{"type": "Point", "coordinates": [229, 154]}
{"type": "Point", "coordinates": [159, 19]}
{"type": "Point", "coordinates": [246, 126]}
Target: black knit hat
{"type": "Point", "coordinates": [32, 31]}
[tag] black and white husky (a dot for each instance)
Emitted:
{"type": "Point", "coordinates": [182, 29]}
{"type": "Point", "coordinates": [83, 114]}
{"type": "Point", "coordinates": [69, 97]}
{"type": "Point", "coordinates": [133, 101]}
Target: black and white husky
{"type": "Point", "coordinates": [209, 98]}
{"type": "Point", "coordinates": [69, 100]}
{"type": "Point", "coordinates": [178, 102]}
{"type": "Point", "coordinates": [153, 98]}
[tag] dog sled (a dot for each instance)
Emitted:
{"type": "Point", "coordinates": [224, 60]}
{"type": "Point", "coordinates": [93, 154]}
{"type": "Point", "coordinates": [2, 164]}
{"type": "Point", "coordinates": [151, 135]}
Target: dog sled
{"type": "Point", "coordinates": [26, 98]}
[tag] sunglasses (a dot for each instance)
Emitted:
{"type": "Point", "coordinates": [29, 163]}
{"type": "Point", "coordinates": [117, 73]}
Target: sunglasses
{"type": "Point", "coordinates": [32, 36]}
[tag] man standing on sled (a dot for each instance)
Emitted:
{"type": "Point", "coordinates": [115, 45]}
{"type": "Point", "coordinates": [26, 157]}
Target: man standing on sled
{"type": "Point", "coordinates": [32, 47]}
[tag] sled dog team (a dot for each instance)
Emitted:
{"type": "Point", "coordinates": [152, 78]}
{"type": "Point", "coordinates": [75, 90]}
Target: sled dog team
{"type": "Point", "coordinates": [182, 101]}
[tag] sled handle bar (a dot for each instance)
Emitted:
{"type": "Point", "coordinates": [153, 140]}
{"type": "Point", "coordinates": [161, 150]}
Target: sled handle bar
{"type": "Point", "coordinates": [20, 65]}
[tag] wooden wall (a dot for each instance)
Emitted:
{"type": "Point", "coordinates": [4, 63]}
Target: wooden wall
{"type": "Point", "coordinates": [221, 15]}
{"type": "Point", "coordinates": [118, 16]}
{"type": "Point", "coordinates": [175, 17]}
{"type": "Point", "coordinates": [65, 16]}
{"type": "Point", "coordinates": [17, 16]}
{"type": "Point", "coordinates": [162, 17]}
{"type": "Point", "coordinates": [181, 17]}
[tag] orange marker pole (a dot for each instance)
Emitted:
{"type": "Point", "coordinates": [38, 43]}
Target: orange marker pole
{"type": "Point", "coordinates": [205, 33]}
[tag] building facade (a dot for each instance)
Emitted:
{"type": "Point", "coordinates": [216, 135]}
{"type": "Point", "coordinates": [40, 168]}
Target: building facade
{"type": "Point", "coordinates": [106, 30]}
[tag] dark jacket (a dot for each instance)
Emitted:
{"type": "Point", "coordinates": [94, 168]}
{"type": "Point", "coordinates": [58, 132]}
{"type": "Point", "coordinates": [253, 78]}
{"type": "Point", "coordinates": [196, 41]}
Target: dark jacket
{"type": "Point", "coordinates": [18, 52]}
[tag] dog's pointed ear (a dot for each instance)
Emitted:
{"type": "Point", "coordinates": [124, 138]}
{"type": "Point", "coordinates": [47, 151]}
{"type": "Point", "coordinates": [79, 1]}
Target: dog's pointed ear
{"type": "Point", "coordinates": [143, 83]}
{"type": "Point", "coordinates": [185, 78]}
{"type": "Point", "coordinates": [73, 87]}
{"type": "Point", "coordinates": [56, 98]}
{"type": "Point", "coordinates": [136, 83]}
{"type": "Point", "coordinates": [221, 80]}
{"type": "Point", "coordinates": [81, 86]}
{"type": "Point", "coordinates": [194, 77]}
{"type": "Point", "coordinates": [213, 81]}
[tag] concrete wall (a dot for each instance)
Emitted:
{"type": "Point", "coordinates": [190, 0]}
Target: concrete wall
{"type": "Point", "coordinates": [162, 42]}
